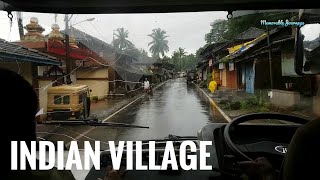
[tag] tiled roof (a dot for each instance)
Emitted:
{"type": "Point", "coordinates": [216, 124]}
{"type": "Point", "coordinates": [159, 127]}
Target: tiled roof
{"type": "Point", "coordinates": [250, 33]}
{"type": "Point", "coordinates": [15, 52]}
{"type": "Point", "coordinates": [210, 47]}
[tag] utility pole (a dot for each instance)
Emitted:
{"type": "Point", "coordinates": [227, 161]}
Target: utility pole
{"type": "Point", "coordinates": [55, 18]}
{"type": "Point", "coordinates": [180, 60]}
{"type": "Point", "coordinates": [113, 37]}
{"type": "Point", "coordinates": [68, 63]}
{"type": "Point", "coordinates": [269, 54]}
{"type": "Point", "coordinates": [180, 64]}
{"type": "Point", "coordinates": [115, 59]}
{"type": "Point", "coordinates": [270, 58]}
{"type": "Point", "coordinates": [20, 25]}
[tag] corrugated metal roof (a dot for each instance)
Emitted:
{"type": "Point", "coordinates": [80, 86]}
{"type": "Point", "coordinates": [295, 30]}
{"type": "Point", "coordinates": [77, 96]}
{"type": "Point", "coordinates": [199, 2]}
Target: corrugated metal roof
{"type": "Point", "coordinates": [12, 51]}
{"type": "Point", "coordinates": [255, 42]}
{"type": "Point", "coordinates": [249, 34]}
{"type": "Point", "coordinates": [210, 48]}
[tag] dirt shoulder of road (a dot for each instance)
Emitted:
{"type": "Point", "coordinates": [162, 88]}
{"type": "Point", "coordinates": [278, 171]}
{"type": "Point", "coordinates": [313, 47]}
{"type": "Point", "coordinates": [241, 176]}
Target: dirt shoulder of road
{"type": "Point", "coordinates": [227, 108]}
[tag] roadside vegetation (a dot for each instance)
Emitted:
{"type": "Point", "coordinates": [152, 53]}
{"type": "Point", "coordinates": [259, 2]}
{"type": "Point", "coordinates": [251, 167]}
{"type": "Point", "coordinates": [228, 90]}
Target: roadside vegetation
{"type": "Point", "coordinates": [257, 103]}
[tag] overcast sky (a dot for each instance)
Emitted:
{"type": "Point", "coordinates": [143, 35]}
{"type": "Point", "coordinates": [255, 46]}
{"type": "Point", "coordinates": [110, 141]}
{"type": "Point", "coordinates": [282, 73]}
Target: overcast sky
{"type": "Point", "coordinates": [311, 32]}
{"type": "Point", "coordinates": [185, 30]}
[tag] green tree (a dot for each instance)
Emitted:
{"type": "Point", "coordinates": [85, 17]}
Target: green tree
{"type": "Point", "coordinates": [134, 52]}
{"type": "Point", "coordinates": [182, 60]}
{"type": "Point", "coordinates": [227, 29]}
{"type": "Point", "coordinates": [181, 53]}
{"type": "Point", "coordinates": [159, 44]}
{"type": "Point", "coordinates": [165, 59]}
{"type": "Point", "coordinates": [121, 41]}
{"type": "Point", "coordinates": [189, 62]}
{"type": "Point", "coordinates": [139, 54]}
{"type": "Point", "coordinates": [199, 51]}
{"type": "Point", "coordinates": [175, 60]}
{"type": "Point", "coordinates": [218, 28]}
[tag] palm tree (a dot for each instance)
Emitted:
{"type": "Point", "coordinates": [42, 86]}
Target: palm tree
{"type": "Point", "coordinates": [159, 44]}
{"type": "Point", "coordinates": [181, 53]}
{"type": "Point", "coordinates": [121, 42]}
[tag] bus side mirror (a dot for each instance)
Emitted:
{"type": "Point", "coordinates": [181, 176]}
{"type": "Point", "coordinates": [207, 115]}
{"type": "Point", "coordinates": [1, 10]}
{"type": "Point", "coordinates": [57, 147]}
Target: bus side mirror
{"type": "Point", "coordinates": [307, 49]}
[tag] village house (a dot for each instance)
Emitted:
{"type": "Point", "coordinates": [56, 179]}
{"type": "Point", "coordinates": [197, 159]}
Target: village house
{"type": "Point", "coordinates": [93, 62]}
{"type": "Point", "coordinates": [205, 65]}
{"type": "Point", "coordinates": [146, 65]}
{"type": "Point", "coordinates": [24, 61]}
{"type": "Point", "coordinates": [47, 74]}
{"type": "Point", "coordinates": [112, 72]}
{"type": "Point", "coordinates": [106, 70]}
{"type": "Point", "coordinates": [253, 62]}
{"type": "Point", "coordinates": [287, 87]}
{"type": "Point", "coordinates": [162, 70]}
{"type": "Point", "coordinates": [245, 65]}
{"type": "Point", "coordinates": [54, 45]}
{"type": "Point", "coordinates": [27, 62]}
{"type": "Point", "coordinates": [228, 71]}
{"type": "Point", "coordinates": [215, 60]}
{"type": "Point", "coordinates": [94, 69]}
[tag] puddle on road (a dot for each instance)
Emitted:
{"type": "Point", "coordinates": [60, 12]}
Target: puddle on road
{"type": "Point", "coordinates": [175, 109]}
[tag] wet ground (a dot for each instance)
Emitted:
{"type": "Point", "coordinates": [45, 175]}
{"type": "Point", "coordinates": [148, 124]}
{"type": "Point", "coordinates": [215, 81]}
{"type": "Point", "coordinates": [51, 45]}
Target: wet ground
{"type": "Point", "coordinates": [175, 108]}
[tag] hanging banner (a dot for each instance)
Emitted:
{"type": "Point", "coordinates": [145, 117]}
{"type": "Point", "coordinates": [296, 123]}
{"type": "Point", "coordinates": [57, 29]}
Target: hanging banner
{"type": "Point", "coordinates": [245, 46]}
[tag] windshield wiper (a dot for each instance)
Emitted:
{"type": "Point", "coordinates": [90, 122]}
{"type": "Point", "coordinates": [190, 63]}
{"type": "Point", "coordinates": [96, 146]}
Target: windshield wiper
{"type": "Point", "coordinates": [91, 122]}
{"type": "Point", "coordinates": [172, 137]}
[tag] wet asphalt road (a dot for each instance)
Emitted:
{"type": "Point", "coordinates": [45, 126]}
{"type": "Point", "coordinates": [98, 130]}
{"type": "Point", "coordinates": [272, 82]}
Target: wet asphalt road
{"type": "Point", "coordinates": [175, 108]}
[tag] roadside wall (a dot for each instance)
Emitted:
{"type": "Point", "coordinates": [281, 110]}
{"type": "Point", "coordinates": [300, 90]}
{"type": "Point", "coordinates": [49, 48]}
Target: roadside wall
{"type": "Point", "coordinates": [97, 80]}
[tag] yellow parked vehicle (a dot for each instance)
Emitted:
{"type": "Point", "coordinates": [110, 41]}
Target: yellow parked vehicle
{"type": "Point", "coordinates": [67, 101]}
